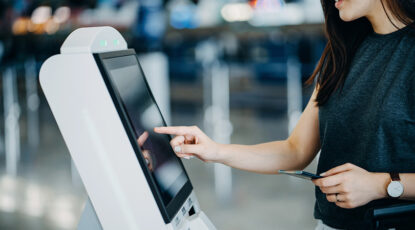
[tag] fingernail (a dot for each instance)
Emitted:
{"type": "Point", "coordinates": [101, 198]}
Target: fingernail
{"type": "Point", "coordinates": [188, 157]}
{"type": "Point", "coordinates": [177, 149]}
{"type": "Point", "coordinates": [322, 174]}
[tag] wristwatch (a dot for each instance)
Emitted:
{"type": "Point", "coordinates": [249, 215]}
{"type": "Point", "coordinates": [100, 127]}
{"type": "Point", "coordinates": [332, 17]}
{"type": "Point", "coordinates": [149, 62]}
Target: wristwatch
{"type": "Point", "coordinates": [395, 187]}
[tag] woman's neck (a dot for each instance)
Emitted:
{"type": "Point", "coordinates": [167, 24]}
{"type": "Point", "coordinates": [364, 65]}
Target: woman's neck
{"type": "Point", "coordinates": [381, 23]}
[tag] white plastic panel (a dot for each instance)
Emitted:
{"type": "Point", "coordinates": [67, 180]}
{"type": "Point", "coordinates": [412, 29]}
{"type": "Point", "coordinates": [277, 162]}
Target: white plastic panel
{"type": "Point", "coordinates": [98, 143]}
{"type": "Point", "coordinates": [93, 40]}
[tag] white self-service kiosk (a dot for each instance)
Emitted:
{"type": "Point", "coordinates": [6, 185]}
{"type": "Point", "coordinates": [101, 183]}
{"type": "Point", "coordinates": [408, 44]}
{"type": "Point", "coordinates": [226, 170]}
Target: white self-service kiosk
{"type": "Point", "coordinates": [106, 113]}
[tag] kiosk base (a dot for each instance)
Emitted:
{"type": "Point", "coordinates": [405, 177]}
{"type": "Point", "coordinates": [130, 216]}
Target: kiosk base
{"type": "Point", "coordinates": [89, 220]}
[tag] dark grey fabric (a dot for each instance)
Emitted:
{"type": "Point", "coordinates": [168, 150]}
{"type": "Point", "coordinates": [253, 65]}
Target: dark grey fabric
{"type": "Point", "coordinates": [371, 122]}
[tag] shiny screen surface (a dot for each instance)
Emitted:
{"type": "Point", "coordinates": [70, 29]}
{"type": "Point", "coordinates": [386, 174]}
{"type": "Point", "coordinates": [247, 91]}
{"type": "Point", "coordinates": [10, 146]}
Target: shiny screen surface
{"type": "Point", "coordinates": [143, 114]}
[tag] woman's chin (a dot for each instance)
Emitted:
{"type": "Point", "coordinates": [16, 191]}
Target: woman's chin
{"type": "Point", "coordinates": [346, 17]}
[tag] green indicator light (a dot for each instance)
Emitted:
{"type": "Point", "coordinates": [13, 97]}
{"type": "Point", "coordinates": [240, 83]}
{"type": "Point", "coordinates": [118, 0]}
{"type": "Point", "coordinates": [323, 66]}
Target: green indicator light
{"type": "Point", "coordinates": [116, 42]}
{"type": "Point", "coordinates": [103, 43]}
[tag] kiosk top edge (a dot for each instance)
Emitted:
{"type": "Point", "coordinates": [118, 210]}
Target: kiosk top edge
{"type": "Point", "coordinates": [93, 40]}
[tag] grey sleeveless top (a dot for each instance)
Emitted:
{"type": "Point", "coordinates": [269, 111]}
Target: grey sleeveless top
{"type": "Point", "coordinates": [371, 122]}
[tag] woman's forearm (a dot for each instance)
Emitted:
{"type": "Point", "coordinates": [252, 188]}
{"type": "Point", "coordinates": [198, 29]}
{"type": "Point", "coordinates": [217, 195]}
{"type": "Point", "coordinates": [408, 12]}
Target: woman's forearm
{"type": "Point", "coordinates": [296, 152]}
{"type": "Point", "coordinates": [408, 181]}
{"type": "Point", "coordinates": [265, 158]}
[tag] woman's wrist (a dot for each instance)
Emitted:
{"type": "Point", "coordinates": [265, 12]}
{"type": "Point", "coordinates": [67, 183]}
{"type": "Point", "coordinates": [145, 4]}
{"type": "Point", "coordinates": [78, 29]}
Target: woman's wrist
{"type": "Point", "coordinates": [221, 153]}
{"type": "Point", "coordinates": [381, 181]}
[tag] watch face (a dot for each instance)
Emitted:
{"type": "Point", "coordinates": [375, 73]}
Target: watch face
{"type": "Point", "coordinates": [395, 189]}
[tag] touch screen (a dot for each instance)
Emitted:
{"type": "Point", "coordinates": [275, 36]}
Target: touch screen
{"type": "Point", "coordinates": [142, 111]}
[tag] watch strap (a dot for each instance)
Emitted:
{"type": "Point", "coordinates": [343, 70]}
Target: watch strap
{"type": "Point", "coordinates": [395, 176]}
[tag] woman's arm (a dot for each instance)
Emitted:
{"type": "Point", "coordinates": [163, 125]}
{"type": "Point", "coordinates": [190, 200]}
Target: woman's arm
{"type": "Point", "coordinates": [296, 152]}
{"type": "Point", "coordinates": [408, 182]}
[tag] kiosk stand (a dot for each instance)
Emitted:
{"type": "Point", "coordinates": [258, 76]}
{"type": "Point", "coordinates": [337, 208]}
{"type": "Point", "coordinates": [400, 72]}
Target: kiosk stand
{"type": "Point", "coordinates": [106, 113]}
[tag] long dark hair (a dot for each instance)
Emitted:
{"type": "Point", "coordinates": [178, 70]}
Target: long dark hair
{"type": "Point", "coordinates": [343, 40]}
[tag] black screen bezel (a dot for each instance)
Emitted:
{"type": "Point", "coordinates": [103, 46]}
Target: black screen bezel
{"type": "Point", "coordinates": [171, 209]}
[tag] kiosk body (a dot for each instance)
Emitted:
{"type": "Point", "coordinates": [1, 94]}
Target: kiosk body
{"type": "Point", "coordinates": [99, 133]}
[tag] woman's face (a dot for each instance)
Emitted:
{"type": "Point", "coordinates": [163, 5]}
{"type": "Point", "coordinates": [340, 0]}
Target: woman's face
{"type": "Point", "coordinates": [350, 10]}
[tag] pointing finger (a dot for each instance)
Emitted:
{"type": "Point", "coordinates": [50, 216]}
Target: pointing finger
{"type": "Point", "coordinates": [177, 130]}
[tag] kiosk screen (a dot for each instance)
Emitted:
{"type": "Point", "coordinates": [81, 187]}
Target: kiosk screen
{"type": "Point", "coordinates": [143, 113]}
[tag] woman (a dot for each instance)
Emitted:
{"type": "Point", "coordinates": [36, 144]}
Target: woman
{"type": "Point", "coordinates": [361, 116]}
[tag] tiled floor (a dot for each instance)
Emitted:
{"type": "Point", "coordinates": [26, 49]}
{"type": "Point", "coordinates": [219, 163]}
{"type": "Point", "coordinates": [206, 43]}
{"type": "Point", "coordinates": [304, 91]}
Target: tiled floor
{"type": "Point", "coordinates": [43, 195]}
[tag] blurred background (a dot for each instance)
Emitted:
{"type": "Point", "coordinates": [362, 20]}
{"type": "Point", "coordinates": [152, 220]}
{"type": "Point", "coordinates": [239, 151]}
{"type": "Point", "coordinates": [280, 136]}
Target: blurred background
{"type": "Point", "coordinates": [235, 68]}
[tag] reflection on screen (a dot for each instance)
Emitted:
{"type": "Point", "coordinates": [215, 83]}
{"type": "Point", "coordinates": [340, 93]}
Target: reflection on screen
{"type": "Point", "coordinates": [144, 115]}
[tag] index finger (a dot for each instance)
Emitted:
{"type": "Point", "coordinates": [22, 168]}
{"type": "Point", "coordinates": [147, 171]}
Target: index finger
{"type": "Point", "coordinates": [175, 130]}
{"type": "Point", "coordinates": [338, 169]}
{"type": "Point", "coordinates": [329, 181]}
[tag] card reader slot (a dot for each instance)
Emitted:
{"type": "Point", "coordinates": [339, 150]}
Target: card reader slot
{"type": "Point", "coordinates": [192, 211]}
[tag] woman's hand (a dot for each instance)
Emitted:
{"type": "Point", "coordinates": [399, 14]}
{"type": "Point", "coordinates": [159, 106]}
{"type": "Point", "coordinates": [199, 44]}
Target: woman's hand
{"type": "Point", "coordinates": [349, 186]}
{"type": "Point", "coordinates": [191, 141]}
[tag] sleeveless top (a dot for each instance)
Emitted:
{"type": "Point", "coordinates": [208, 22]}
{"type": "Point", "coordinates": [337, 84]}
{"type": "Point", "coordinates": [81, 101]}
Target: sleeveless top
{"type": "Point", "coordinates": [371, 121]}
